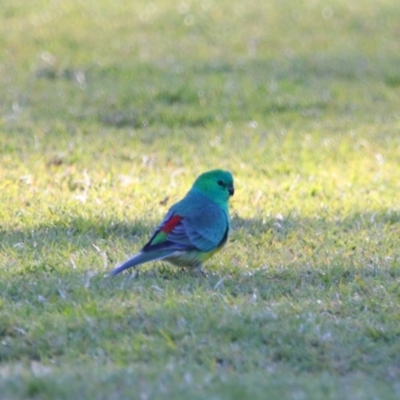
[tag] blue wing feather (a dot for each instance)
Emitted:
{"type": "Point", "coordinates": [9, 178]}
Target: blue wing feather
{"type": "Point", "coordinates": [204, 226]}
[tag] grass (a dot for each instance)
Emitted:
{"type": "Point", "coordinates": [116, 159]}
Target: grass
{"type": "Point", "coordinates": [108, 112]}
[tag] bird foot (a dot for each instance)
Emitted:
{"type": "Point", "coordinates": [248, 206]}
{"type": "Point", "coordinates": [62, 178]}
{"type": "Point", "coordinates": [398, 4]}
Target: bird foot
{"type": "Point", "coordinates": [199, 271]}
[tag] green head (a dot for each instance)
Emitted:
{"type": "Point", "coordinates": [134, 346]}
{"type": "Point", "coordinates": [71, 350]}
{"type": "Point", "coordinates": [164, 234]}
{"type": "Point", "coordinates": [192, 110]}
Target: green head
{"type": "Point", "coordinates": [216, 184]}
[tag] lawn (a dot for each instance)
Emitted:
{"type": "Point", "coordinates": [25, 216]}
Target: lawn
{"type": "Point", "coordinates": [108, 112]}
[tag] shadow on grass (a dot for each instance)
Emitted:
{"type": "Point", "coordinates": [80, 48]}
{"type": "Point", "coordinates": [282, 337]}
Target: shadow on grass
{"type": "Point", "coordinates": [41, 248]}
{"type": "Point", "coordinates": [81, 232]}
{"type": "Point", "coordinates": [179, 100]}
{"type": "Point", "coordinates": [295, 285]}
{"type": "Point", "coordinates": [303, 239]}
{"type": "Point", "coordinates": [221, 90]}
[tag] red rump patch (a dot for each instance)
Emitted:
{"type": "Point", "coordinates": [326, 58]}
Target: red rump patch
{"type": "Point", "coordinates": [171, 223]}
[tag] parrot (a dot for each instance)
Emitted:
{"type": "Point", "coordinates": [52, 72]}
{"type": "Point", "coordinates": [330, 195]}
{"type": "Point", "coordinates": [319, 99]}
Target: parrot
{"type": "Point", "coordinates": [194, 228]}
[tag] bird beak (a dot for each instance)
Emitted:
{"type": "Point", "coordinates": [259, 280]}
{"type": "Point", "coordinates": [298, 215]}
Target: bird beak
{"type": "Point", "coordinates": [231, 190]}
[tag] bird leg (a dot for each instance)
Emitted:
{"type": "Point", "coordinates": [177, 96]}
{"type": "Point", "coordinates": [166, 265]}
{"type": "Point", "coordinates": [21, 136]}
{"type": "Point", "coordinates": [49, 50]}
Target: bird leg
{"type": "Point", "coordinates": [199, 270]}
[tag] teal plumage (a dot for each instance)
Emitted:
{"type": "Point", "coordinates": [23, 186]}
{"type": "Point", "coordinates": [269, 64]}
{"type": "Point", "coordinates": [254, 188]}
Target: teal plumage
{"type": "Point", "coordinates": [193, 229]}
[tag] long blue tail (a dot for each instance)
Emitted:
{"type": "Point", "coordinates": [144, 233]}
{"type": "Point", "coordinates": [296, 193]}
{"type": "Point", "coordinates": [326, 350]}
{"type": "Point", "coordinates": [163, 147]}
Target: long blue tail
{"type": "Point", "coordinates": [140, 258]}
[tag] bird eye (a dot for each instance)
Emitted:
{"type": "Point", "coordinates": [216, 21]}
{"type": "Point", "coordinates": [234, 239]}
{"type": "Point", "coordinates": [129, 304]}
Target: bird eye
{"type": "Point", "coordinates": [220, 183]}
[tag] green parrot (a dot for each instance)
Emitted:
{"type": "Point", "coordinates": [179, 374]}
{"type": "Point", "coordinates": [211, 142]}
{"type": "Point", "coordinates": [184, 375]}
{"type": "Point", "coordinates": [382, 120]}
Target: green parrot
{"type": "Point", "coordinates": [193, 229]}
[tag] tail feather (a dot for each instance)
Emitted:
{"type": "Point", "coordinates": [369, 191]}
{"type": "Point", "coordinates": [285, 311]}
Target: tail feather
{"type": "Point", "coordinates": [140, 258]}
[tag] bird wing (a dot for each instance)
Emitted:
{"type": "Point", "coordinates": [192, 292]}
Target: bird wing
{"type": "Point", "coordinates": [202, 228]}
{"type": "Point", "coordinates": [207, 228]}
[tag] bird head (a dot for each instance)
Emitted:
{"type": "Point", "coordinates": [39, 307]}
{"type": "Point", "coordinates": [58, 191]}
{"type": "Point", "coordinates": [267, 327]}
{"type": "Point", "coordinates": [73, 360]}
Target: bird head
{"type": "Point", "coordinates": [216, 184]}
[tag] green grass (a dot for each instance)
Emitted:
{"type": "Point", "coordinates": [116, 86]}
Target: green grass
{"type": "Point", "coordinates": [109, 110]}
